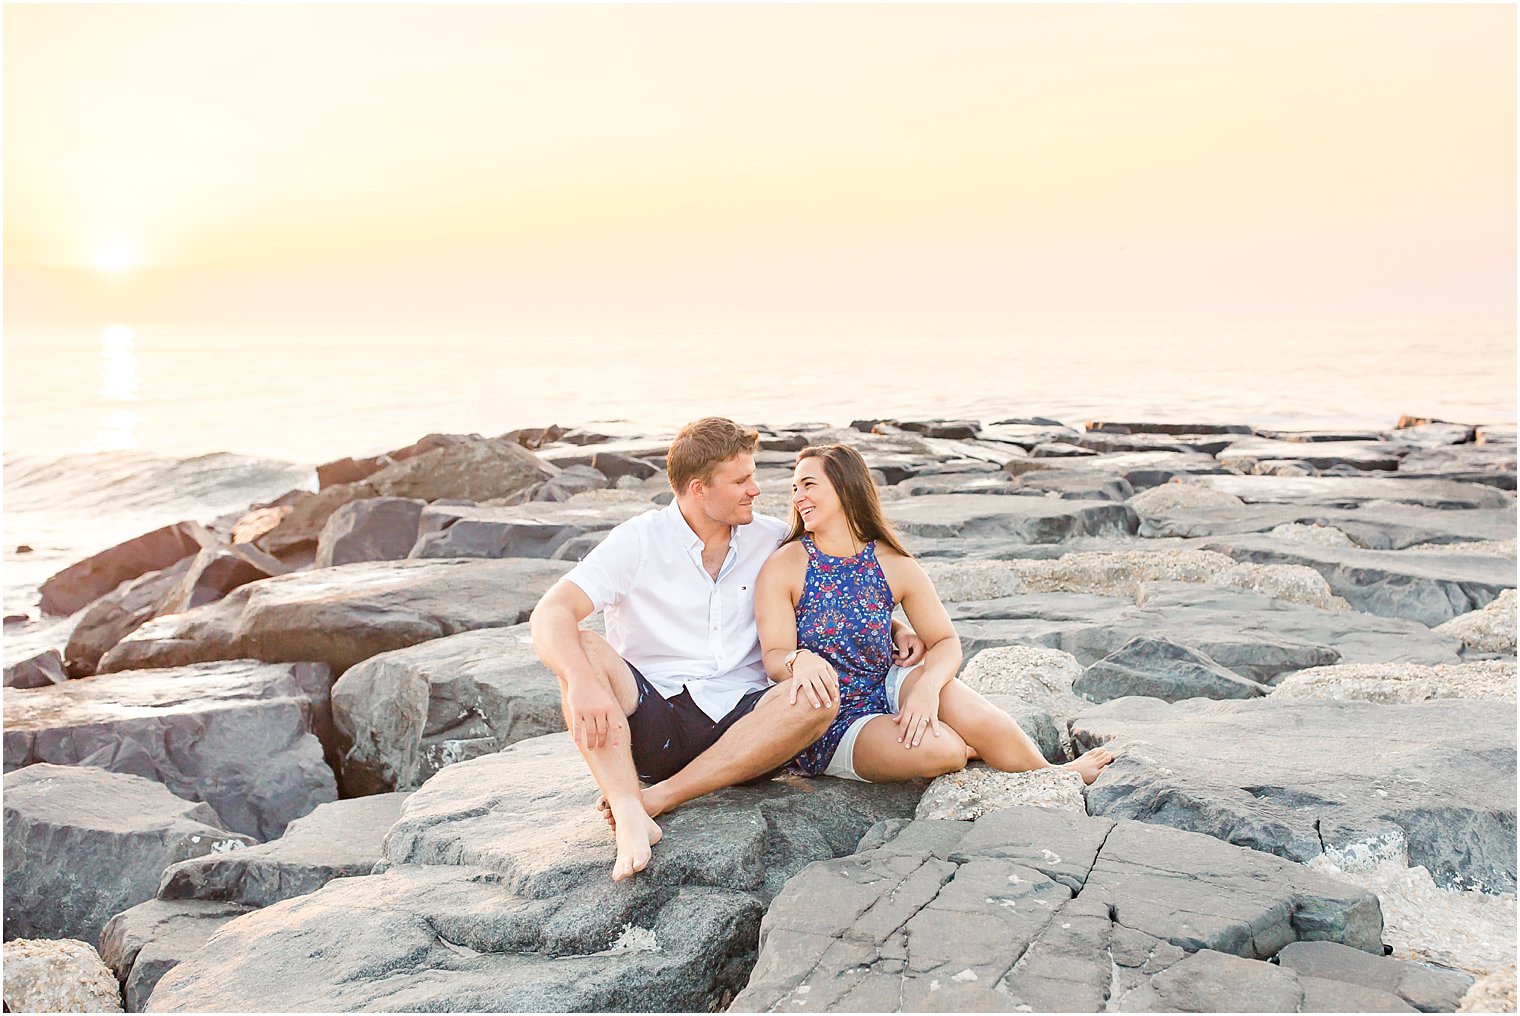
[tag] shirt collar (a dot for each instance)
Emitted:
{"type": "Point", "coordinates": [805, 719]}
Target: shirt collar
{"type": "Point", "coordinates": [689, 535]}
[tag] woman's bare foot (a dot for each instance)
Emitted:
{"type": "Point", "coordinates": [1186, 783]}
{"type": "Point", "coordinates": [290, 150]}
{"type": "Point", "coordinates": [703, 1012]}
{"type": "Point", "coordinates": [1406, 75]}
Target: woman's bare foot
{"type": "Point", "coordinates": [1090, 763]}
{"type": "Point", "coordinates": [636, 837]}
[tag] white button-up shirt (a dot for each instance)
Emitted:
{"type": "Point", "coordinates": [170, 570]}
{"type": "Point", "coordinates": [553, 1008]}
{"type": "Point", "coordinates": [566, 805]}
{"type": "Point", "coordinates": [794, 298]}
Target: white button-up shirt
{"type": "Point", "coordinates": [669, 618]}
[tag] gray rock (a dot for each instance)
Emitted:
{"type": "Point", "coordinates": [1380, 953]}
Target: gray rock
{"type": "Point", "coordinates": [1168, 428]}
{"type": "Point", "coordinates": [1426, 988]}
{"type": "Point", "coordinates": [145, 942]}
{"type": "Point", "coordinates": [1374, 525]}
{"type": "Point", "coordinates": [195, 580]}
{"type": "Point", "coordinates": [1351, 491]}
{"type": "Point", "coordinates": [1163, 669]}
{"type": "Point", "coordinates": [81, 583]}
{"type": "Point", "coordinates": [1034, 721]}
{"type": "Point", "coordinates": [83, 844]}
{"type": "Point", "coordinates": [1319, 454]}
{"type": "Point", "coordinates": [471, 470]}
{"type": "Point", "coordinates": [1252, 635]}
{"type": "Point", "coordinates": [239, 735]}
{"type": "Point", "coordinates": [1299, 779]}
{"type": "Point", "coordinates": [340, 839]}
{"type": "Point", "coordinates": [1022, 520]}
{"type": "Point", "coordinates": [562, 486]}
{"type": "Point", "coordinates": [1428, 588]}
{"type": "Point", "coordinates": [1075, 485]}
{"type": "Point", "coordinates": [370, 529]}
{"type": "Point", "coordinates": [40, 671]}
{"type": "Point", "coordinates": [496, 898]}
{"type": "Point", "coordinates": [958, 483]}
{"type": "Point", "coordinates": [1210, 981]}
{"type": "Point", "coordinates": [402, 716]}
{"type": "Point", "coordinates": [1035, 909]}
{"type": "Point", "coordinates": [536, 530]}
{"type": "Point", "coordinates": [344, 614]}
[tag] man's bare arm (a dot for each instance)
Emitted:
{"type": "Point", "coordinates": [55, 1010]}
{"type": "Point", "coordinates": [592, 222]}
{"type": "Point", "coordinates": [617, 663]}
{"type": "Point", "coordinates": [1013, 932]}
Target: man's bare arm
{"type": "Point", "coordinates": [555, 624]}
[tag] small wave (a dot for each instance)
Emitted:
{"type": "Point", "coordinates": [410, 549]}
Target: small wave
{"type": "Point", "coordinates": [135, 481]}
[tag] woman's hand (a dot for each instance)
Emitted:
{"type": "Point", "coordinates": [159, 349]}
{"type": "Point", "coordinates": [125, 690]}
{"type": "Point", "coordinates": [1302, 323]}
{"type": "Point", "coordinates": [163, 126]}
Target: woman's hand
{"type": "Point", "coordinates": [920, 711]}
{"type": "Point", "coordinates": [907, 648]}
{"type": "Point", "coordinates": [813, 673]}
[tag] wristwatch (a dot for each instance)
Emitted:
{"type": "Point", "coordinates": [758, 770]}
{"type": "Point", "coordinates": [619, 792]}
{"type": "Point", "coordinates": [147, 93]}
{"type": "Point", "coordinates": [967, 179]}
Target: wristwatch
{"type": "Point", "coordinates": [791, 658]}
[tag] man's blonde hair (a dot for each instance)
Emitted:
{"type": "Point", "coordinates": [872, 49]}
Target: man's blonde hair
{"type": "Point", "coordinates": [703, 446]}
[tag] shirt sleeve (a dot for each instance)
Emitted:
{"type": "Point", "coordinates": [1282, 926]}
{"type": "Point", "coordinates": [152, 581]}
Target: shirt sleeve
{"type": "Point", "coordinates": [606, 574]}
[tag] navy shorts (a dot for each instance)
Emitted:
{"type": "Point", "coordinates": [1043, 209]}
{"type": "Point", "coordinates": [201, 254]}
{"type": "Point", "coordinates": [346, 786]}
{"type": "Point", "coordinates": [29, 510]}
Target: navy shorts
{"type": "Point", "coordinates": [668, 733]}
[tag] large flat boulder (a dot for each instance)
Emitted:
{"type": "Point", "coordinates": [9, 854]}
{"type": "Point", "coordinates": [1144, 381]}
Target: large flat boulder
{"type": "Point", "coordinates": [1043, 910]}
{"type": "Point", "coordinates": [1298, 778]}
{"type": "Point", "coordinates": [1020, 519]}
{"type": "Point", "coordinates": [1319, 454]}
{"type": "Point", "coordinates": [1256, 636]}
{"type": "Point", "coordinates": [533, 530]}
{"type": "Point", "coordinates": [403, 715]}
{"type": "Point", "coordinates": [1371, 524]}
{"type": "Point", "coordinates": [1349, 491]}
{"type": "Point", "coordinates": [240, 735]}
{"type": "Point", "coordinates": [81, 583]}
{"type": "Point", "coordinates": [1430, 588]}
{"type": "Point", "coordinates": [83, 844]}
{"type": "Point", "coordinates": [497, 898]}
{"type": "Point", "coordinates": [341, 615]}
{"type": "Point", "coordinates": [340, 839]}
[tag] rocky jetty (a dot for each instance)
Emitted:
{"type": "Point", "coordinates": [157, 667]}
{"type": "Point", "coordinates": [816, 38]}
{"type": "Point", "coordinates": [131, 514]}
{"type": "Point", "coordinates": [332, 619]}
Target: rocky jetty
{"type": "Point", "coordinates": [1300, 645]}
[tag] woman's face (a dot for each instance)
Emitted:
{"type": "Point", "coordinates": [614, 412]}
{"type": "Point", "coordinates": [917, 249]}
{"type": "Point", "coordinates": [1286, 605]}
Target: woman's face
{"type": "Point", "coordinates": [814, 497]}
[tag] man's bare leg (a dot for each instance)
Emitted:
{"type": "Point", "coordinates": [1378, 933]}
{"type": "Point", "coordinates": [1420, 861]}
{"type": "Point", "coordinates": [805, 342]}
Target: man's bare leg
{"type": "Point", "coordinates": [612, 765]}
{"type": "Point", "coordinates": [773, 733]}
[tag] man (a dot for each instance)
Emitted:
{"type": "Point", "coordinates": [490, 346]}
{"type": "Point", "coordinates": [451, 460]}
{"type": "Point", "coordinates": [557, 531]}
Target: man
{"type": "Point", "coordinates": [676, 693]}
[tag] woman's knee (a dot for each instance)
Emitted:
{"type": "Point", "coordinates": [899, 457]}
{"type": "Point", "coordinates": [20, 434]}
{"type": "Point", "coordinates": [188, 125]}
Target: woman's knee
{"type": "Point", "coordinates": [946, 753]}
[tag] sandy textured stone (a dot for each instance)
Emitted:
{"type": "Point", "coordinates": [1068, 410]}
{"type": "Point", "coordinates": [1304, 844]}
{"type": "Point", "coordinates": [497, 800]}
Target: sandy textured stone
{"type": "Point", "coordinates": [1490, 629]}
{"type": "Point", "coordinates": [58, 975]}
{"type": "Point", "coordinates": [1324, 536]}
{"type": "Point", "coordinates": [1177, 494]}
{"type": "Point", "coordinates": [1401, 682]}
{"type": "Point", "coordinates": [979, 789]}
{"type": "Point", "coordinates": [1492, 993]}
{"type": "Point", "coordinates": [1124, 573]}
{"type": "Point", "coordinates": [1488, 548]}
{"type": "Point", "coordinates": [1466, 930]}
{"type": "Point", "coordinates": [1042, 677]}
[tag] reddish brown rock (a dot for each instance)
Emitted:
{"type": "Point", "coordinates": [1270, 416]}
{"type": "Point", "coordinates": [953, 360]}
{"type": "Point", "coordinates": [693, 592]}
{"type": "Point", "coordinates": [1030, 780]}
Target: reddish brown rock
{"type": "Point", "coordinates": [79, 584]}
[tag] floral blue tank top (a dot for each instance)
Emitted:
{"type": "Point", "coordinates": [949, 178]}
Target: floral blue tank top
{"type": "Point", "coordinates": [845, 616]}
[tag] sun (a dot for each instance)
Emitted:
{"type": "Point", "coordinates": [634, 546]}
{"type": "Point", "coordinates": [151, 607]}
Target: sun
{"type": "Point", "coordinates": [115, 257]}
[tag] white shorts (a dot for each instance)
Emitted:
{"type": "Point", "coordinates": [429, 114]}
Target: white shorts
{"type": "Point", "coordinates": [843, 762]}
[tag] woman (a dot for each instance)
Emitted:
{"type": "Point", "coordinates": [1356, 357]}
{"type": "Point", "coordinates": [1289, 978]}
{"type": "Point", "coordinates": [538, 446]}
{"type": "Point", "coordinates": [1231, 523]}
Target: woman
{"type": "Point", "coordinates": [824, 604]}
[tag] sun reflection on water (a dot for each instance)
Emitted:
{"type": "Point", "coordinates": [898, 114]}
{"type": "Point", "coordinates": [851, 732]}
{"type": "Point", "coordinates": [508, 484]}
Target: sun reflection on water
{"type": "Point", "coordinates": [118, 384]}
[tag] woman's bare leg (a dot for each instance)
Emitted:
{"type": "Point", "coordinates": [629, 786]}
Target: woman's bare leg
{"type": "Point", "coordinates": [995, 737]}
{"type": "Point", "coordinates": [880, 757]}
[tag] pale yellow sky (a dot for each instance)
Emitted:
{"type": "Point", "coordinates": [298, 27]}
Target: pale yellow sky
{"type": "Point", "coordinates": [777, 165]}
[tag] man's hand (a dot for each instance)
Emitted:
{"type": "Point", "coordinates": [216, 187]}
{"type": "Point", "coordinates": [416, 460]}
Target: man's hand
{"type": "Point", "coordinates": [907, 648]}
{"type": "Point", "coordinates": [594, 715]}
{"type": "Point", "coordinates": [812, 673]}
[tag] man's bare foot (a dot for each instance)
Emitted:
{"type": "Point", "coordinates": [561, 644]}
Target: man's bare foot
{"type": "Point", "coordinates": [656, 802]}
{"type": "Point", "coordinates": [1091, 763]}
{"type": "Point", "coordinates": [636, 837]}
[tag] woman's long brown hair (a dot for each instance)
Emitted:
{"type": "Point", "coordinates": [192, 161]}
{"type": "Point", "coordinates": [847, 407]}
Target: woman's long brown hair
{"type": "Point", "coordinates": [851, 478]}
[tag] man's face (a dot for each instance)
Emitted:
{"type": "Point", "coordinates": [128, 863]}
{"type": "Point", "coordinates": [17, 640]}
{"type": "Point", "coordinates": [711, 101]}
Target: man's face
{"type": "Point", "coordinates": [729, 497]}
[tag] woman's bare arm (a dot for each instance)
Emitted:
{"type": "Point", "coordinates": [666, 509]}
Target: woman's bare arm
{"type": "Point", "coordinates": [776, 611]}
